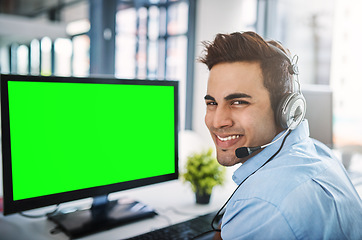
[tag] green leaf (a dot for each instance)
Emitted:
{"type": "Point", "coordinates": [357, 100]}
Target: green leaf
{"type": "Point", "coordinates": [203, 172]}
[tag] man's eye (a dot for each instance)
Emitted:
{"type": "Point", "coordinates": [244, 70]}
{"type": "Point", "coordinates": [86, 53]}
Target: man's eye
{"type": "Point", "coordinates": [211, 103]}
{"type": "Point", "coordinates": [240, 102]}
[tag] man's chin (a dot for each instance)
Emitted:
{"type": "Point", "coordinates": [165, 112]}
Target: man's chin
{"type": "Point", "coordinates": [227, 158]}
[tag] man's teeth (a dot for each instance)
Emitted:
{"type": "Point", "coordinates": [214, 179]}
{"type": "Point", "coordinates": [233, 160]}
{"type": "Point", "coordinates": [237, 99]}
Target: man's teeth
{"type": "Point", "coordinates": [228, 138]}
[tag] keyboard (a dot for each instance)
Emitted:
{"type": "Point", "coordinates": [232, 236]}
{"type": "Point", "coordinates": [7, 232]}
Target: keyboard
{"type": "Point", "coordinates": [183, 231]}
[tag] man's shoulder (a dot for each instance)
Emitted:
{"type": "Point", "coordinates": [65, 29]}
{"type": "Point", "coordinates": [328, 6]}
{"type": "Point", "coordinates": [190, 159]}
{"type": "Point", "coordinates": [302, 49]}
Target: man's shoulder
{"type": "Point", "coordinates": [301, 184]}
{"type": "Point", "coordinates": [276, 184]}
{"type": "Point", "coordinates": [289, 175]}
{"type": "Point", "coordinates": [297, 199]}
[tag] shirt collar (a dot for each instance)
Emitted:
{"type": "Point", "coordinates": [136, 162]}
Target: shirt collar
{"type": "Point", "coordinates": [255, 162]}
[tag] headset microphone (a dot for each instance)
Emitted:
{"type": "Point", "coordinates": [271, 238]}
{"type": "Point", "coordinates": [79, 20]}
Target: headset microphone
{"type": "Point", "coordinates": [246, 151]}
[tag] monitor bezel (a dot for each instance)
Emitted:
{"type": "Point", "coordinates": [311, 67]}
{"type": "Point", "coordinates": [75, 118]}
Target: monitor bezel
{"type": "Point", "coordinates": [11, 206]}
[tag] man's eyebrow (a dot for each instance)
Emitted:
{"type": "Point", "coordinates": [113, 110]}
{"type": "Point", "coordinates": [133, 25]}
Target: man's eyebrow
{"type": "Point", "coordinates": [236, 95]}
{"type": "Point", "coordinates": [229, 97]}
{"type": "Point", "coordinates": [208, 97]}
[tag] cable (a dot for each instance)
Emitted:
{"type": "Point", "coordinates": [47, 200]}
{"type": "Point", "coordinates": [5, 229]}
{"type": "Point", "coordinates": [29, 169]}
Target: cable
{"type": "Point", "coordinates": [202, 234]}
{"type": "Point", "coordinates": [40, 215]}
{"type": "Point", "coordinates": [218, 213]}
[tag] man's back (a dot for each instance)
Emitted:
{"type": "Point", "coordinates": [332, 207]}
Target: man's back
{"type": "Point", "coordinates": [303, 193]}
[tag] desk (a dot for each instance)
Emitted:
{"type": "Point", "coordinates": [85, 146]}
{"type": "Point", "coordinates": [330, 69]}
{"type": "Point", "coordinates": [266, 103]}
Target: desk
{"type": "Point", "coordinates": [173, 201]}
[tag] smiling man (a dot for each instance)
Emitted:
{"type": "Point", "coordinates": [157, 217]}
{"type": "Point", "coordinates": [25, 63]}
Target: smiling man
{"type": "Point", "coordinates": [239, 113]}
{"type": "Point", "coordinates": [289, 185]}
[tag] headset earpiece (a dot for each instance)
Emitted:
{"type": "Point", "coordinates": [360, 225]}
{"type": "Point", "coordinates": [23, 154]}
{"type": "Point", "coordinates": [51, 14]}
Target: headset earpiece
{"type": "Point", "coordinates": [292, 107]}
{"type": "Point", "coordinates": [291, 110]}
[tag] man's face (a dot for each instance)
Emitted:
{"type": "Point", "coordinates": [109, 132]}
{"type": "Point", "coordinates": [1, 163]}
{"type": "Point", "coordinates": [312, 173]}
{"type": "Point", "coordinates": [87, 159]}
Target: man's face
{"type": "Point", "coordinates": [239, 112]}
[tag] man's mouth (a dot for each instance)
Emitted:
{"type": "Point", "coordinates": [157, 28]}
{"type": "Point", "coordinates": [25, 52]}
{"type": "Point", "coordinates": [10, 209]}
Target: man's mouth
{"type": "Point", "coordinates": [227, 141]}
{"type": "Point", "coordinates": [228, 138]}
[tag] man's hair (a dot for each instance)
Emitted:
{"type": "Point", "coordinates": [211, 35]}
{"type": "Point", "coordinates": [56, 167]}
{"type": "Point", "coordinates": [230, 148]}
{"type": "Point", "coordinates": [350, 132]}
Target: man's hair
{"type": "Point", "coordinates": [250, 47]}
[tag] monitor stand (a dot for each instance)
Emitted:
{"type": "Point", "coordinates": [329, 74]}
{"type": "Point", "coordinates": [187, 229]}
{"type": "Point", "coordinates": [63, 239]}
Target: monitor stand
{"type": "Point", "coordinates": [103, 215]}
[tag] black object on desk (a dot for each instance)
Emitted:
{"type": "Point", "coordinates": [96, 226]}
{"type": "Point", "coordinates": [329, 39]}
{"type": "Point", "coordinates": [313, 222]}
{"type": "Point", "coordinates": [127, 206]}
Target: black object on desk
{"type": "Point", "coordinates": [84, 222]}
{"type": "Point", "coordinates": [187, 230]}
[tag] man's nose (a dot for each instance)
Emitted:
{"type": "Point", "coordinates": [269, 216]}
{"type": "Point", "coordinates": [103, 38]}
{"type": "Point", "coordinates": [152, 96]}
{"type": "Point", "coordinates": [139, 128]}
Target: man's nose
{"type": "Point", "coordinates": [222, 118]}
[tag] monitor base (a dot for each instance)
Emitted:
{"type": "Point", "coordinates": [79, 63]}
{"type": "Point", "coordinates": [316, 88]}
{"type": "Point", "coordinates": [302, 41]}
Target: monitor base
{"type": "Point", "coordinates": [88, 221]}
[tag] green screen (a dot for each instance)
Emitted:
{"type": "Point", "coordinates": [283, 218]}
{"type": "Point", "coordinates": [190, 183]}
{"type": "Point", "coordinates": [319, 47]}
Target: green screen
{"type": "Point", "coordinates": [70, 136]}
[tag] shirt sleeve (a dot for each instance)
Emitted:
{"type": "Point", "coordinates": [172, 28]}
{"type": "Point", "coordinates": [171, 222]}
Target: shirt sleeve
{"type": "Point", "coordinates": [255, 219]}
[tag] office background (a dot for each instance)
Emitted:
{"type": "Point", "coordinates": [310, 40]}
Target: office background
{"type": "Point", "coordinates": [160, 39]}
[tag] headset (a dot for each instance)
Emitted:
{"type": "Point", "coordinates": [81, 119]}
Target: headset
{"type": "Point", "coordinates": [292, 107]}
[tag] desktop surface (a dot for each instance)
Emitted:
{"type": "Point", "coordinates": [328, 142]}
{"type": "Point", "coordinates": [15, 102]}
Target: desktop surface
{"type": "Point", "coordinates": [173, 201]}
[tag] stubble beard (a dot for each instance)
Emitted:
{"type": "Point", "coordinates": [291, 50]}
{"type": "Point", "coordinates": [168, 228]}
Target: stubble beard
{"type": "Point", "coordinates": [226, 158]}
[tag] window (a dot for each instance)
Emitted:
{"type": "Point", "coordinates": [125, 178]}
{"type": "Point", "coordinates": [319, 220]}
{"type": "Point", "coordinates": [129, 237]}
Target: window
{"type": "Point", "coordinates": [80, 65]}
{"type": "Point", "coordinates": [345, 74]}
{"type": "Point", "coordinates": [63, 57]}
{"type": "Point", "coordinates": [46, 56]}
{"type": "Point", "coordinates": [152, 42]}
{"type": "Point", "coordinates": [35, 57]}
{"type": "Point", "coordinates": [22, 59]}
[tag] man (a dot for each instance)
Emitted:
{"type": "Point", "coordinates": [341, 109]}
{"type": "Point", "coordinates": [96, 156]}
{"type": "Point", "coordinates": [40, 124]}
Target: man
{"type": "Point", "coordinates": [292, 188]}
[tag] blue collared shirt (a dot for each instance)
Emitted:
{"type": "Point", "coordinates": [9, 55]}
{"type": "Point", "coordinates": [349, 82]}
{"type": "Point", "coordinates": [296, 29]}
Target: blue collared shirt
{"type": "Point", "coordinates": [302, 193]}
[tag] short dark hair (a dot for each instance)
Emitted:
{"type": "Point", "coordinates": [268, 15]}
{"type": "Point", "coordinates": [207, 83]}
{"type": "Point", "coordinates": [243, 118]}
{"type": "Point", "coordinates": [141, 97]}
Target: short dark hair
{"type": "Point", "coordinates": [250, 47]}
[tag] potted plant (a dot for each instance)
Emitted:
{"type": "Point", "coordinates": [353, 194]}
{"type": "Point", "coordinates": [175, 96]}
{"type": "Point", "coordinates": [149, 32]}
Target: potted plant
{"type": "Point", "coordinates": [203, 172]}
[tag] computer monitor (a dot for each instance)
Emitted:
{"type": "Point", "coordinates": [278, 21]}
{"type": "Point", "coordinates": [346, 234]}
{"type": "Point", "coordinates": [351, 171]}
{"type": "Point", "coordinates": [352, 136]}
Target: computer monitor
{"type": "Point", "coordinates": [66, 138]}
{"type": "Point", "coordinates": [319, 99]}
